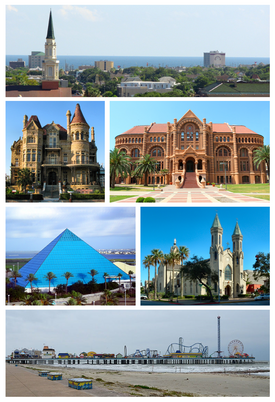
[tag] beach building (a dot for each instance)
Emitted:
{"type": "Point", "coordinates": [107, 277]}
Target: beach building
{"type": "Point", "coordinates": [48, 353]}
{"type": "Point", "coordinates": [214, 58]}
{"type": "Point", "coordinates": [56, 155]}
{"type": "Point", "coordinates": [134, 85]}
{"type": "Point", "coordinates": [104, 65]}
{"type": "Point", "coordinates": [17, 64]}
{"type": "Point", "coordinates": [226, 262]}
{"type": "Point", "coordinates": [67, 253]}
{"type": "Point", "coordinates": [36, 59]}
{"type": "Point", "coordinates": [191, 150]}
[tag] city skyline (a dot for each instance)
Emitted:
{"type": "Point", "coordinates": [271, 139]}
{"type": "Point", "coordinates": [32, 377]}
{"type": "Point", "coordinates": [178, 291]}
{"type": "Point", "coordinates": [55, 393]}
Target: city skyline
{"type": "Point", "coordinates": [152, 40]}
{"type": "Point", "coordinates": [33, 329]}
{"type": "Point", "coordinates": [31, 229]}
{"type": "Point", "coordinates": [49, 111]}
{"type": "Point", "coordinates": [190, 226]}
{"type": "Point", "coordinates": [254, 115]}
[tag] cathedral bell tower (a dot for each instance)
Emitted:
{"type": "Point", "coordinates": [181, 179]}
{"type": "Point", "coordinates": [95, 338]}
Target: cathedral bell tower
{"type": "Point", "coordinates": [237, 239]}
{"type": "Point", "coordinates": [50, 64]}
{"type": "Point", "coordinates": [216, 249]}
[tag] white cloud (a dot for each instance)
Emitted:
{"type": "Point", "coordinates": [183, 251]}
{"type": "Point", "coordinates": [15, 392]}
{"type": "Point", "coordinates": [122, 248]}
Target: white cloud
{"type": "Point", "coordinates": [84, 12]}
{"type": "Point", "coordinates": [11, 8]}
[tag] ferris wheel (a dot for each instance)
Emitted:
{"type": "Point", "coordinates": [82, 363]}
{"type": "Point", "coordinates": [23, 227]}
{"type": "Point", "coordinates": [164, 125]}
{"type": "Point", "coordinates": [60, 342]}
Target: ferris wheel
{"type": "Point", "coordinates": [235, 347]}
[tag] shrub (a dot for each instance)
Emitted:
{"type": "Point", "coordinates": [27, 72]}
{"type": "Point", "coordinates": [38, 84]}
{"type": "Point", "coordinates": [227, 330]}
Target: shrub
{"type": "Point", "coordinates": [78, 196]}
{"type": "Point", "coordinates": [140, 199]}
{"type": "Point", "coordinates": [16, 293]}
{"type": "Point", "coordinates": [243, 295]}
{"type": "Point", "coordinates": [189, 297]}
{"type": "Point", "coordinates": [149, 199]}
{"type": "Point", "coordinates": [22, 196]}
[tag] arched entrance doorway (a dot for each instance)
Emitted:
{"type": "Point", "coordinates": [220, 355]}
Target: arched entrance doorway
{"type": "Point", "coordinates": [190, 165]}
{"type": "Point", "coordinates": [52, 178]}
{"type": "Point", "coordinates": [227, 290]}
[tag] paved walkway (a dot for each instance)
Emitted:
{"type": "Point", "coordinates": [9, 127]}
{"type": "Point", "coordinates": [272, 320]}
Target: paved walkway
{"type": "Point", "coordinates": [210, 195]}
{"type": "Point", "coordinates": [25, 382]}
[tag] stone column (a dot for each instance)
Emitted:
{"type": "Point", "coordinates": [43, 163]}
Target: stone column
{"type": "Point", "coordinates": [251, 170]}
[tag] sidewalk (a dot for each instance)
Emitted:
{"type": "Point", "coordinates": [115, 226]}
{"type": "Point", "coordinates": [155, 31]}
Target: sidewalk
{"type": "Point", "coordinates": [170, 194]}
{"type": "Point", "coordinates": [24, 382]}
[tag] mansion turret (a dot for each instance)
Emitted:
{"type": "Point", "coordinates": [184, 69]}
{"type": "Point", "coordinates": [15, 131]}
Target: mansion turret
{"type": "Point", "coordinates": [55, 154]}
{"type": "Point", "coordinates": [192, 150]}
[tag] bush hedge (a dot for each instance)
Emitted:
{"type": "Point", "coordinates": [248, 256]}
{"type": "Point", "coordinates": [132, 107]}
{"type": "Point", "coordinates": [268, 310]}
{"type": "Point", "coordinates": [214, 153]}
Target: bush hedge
{"type": "Point", "coordinates": [22, 196]}
{"type": "Point", "coordinates": [78, 196]}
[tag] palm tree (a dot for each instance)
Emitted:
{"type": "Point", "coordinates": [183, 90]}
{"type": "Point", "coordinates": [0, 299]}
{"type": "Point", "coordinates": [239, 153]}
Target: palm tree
{"type": "Point", "coordinates": [119, 275]}
{"type": "Point", "coordinates": [120, 165]}
{"type": "Point", "coordinates": [93, 273]}
{"type": "Point", "coordinates": [184, 254]}
{"type": "Point", "coordinates": [262, 155]}
{"type": "Point", "coordinates": [80, 300]}
{"type": "Point", "coordinates": [174, 256]}
{"type": "Point", "coordinates": [67, 276]}
{"type": "Point", "coordinates": [49, 276]}
{"type": "Point", "coordinates": [166, 262]}
{"type": "Point", "coordinates": [145, 165]}
{"type": "Point", "coordinates": [157, 256]}
{"type": "Point", "coordinates": [108, 298]}
{"type": "Point", "coordinates": [147, 262]}
{"type": "Point", "coordinates": [130, 273]}
{"type": "Point", "coordinates": [15, 275]}
{"type": "Point", "coordinates": [31, 278]}
{"type": "Point", "coordinates": [105, 276]}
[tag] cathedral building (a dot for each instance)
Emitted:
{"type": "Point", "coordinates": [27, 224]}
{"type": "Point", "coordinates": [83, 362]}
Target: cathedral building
{"type": "Point", "coordinates": [55, 154]}
{"type": "Point", "coordinates": [192, 151]}
{"type": "Point", "coordinates": [227, 263]}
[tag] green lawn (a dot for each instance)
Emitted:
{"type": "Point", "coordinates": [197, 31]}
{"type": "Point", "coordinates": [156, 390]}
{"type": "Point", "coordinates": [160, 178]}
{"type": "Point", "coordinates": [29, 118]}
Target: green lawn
{"type": "Point", "coordinates": [262, 197]}
{"type": "Point", "coordinates": [114, 198]}
{"type": "Point", "coordinates": [249, 188]}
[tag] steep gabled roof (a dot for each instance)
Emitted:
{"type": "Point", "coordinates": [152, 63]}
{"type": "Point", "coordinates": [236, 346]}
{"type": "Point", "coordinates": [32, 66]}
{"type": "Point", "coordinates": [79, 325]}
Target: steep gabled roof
{"type": "Point", "coordinates": [50, 33]}
{"type": "Point", "coordinates": [78, 116]}
{"type": "Point", "coordinates": [35, 120]}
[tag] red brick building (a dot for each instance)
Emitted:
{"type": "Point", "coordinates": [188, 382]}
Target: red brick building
{"type": "Point", "coordinates": [193, 150]}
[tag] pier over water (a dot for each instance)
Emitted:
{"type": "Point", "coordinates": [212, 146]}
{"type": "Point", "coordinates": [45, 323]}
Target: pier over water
{"type": "Point", "coordinates": [132, 361]}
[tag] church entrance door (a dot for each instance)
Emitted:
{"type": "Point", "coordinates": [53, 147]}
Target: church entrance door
{"type": "Point", "coordinates": [52, 178]}
{"type": "Point", "coordinates": [190, 166]}
{"type": "Point", "coordinates": [227, 290]}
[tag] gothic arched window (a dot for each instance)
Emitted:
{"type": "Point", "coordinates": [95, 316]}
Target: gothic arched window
{"type": "Point", "coordinates": [227, 273]}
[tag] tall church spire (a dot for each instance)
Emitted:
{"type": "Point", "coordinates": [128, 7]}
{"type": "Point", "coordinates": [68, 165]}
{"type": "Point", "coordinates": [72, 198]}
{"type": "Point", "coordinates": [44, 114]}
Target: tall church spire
{"type": "Point", "coordinates": [50, 33]}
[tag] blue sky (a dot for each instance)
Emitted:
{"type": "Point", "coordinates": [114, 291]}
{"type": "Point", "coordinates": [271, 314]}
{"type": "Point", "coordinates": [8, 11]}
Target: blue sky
{"type": "Point", "coordinates": [137, 329]}
{"type": "Point", "coordinates": [154, 30]}
{"type": "Point", "coordinates": [49, 111]}
{"type": "Point", "coordinates": [253, 114]}
{"type": "Point", "coordinates": [31, 228]}
{"type": "Point", "coordinates": [190, 226]}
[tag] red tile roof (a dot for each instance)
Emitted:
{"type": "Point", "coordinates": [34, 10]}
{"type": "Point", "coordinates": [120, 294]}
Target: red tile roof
{"type": "Point", "coordinates": [78, 115]}
{"type": "Point", "coordinates": [136, 130]}
{"type": "Point", "coordinates": [35, 119]}
{"type": "Point", "coordinates": [158, 128]}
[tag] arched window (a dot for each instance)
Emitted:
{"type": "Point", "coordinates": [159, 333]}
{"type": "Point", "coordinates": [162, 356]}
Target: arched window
{"type": "Point", "coordinates": [151, 139]}
{"type": "Point", "coordinates": [244, 152]}
{"type": "Point", "coordinates": [135, 153]}
{"type": "Point", "coordinates": [217, 139]}
{"type": "Point", "coordinates": [227, 273]}
{"type": "Point", "coordinates": [228, 139]}
{"type": "Point", "coordinates": [158, 139]}
{"type": "Point", "coordinates": [162, 139]}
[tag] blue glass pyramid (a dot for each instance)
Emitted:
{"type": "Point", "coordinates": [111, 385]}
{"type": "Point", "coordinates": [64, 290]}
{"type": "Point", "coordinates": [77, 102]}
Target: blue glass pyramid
{"type": "Point", "coordinates": [67, 253]}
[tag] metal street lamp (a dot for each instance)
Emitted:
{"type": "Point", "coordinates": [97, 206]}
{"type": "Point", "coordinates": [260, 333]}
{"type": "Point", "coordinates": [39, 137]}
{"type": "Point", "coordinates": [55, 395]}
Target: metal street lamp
{"type": "Point", "coordinates": [224, 163]}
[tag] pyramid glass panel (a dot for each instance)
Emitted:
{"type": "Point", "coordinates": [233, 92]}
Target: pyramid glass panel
{"type": "Point", "coordinates": [67, 253]}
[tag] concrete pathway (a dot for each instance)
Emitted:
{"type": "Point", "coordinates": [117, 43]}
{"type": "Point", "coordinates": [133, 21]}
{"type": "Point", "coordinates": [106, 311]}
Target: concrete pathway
{"type": "Point", "coordinates": [21, 381]}
{"type": "Point", "coordinates": [210, 195]}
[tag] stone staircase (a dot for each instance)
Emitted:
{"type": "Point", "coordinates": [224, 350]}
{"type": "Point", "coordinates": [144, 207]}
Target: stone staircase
{"type": "Point", "coordinates": [190, 180]}
{"type": "Point", "coordinates": [51, 191]}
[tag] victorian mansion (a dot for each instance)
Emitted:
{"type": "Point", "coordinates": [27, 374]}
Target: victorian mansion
{"type": "Point", "coordinates": [55, 154]}
{"type": "Point", "coordinates": [193, 151]}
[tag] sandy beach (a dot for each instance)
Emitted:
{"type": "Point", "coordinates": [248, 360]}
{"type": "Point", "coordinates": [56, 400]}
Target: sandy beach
{"type": "Point", "coordinates": [127, 383]}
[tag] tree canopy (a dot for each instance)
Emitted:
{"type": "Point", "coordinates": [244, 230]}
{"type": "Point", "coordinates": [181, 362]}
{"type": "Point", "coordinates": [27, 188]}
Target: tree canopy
{"type": "Point", "coordinates": [198, 269]}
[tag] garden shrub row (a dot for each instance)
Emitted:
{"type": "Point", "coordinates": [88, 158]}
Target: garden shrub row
{"type": "Point", "coordinates": [15, 196]}
{"type": "Point", "coordinates": [77, 196]}
{"type": "Point", "coordinates": [147, 199]}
